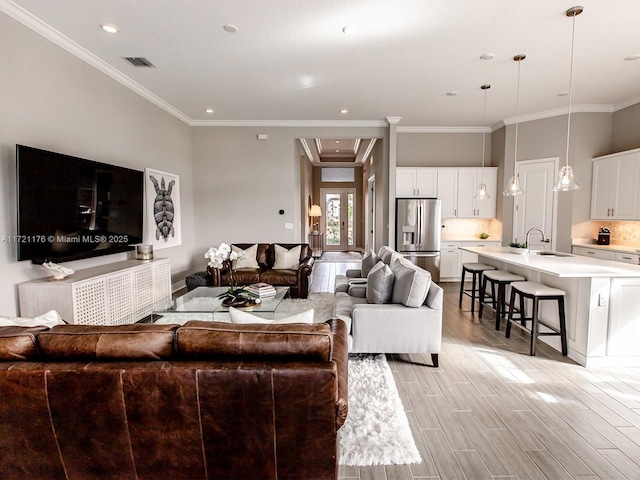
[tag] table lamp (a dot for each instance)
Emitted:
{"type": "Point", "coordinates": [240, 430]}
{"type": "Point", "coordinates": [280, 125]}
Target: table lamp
{"type": "Point", "coordinates": [315, 213]}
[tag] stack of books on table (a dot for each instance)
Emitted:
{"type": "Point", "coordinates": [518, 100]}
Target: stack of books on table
{"type": "Point", "coordinates": [262, 290]}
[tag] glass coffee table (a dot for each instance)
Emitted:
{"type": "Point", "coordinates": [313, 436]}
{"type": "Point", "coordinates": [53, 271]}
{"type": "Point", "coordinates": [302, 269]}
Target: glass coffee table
{"type": "Point", "coordinates": [202, 303]}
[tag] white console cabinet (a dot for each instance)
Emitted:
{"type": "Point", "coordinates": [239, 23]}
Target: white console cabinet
{"type": "Point", "coordinates": [113, 294]}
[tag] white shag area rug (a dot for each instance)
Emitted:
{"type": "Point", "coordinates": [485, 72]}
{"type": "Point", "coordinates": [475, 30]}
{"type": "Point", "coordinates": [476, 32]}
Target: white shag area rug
{"type": "Point", "coordinates": [377, 430]}
{"type": "Point", "coordinates": [322, 304]}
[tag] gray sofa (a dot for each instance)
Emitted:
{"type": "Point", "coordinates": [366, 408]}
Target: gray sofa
{"type": "Point", "coordinates": [410, 321]}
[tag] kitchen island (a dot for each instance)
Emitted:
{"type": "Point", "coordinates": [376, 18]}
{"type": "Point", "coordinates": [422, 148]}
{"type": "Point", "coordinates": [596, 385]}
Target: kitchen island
{"type": "Point", "coordinates": [602, 302]}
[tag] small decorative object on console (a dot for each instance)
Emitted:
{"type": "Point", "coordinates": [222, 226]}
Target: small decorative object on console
{"type": "Point", "coordinates": [58, 271]}
{"type": "Point", "coordinates": [484, 235]}
{"type": "Point", "coordinates": [144, 252]}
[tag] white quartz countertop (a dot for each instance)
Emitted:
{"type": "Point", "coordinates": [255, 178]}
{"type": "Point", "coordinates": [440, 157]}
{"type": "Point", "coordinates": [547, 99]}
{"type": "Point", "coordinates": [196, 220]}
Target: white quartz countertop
{"type": "Point", "coordinates": [569, 266]}
{"type": "Point", "coordinates": [610, 248]}
{"type": "Point", "coordinates": [465, 237]}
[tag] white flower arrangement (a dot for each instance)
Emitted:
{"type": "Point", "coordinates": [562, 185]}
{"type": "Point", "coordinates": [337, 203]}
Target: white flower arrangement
{"type": "Point", "coordinates": [223, 256]}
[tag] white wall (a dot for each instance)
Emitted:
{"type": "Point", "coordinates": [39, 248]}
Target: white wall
{"type": "Point", "coordinates": [52, 100]}
{"type": "Point", "coordinates": [546, 138]}
{"type": "Point", "coordinates": [425, 149]}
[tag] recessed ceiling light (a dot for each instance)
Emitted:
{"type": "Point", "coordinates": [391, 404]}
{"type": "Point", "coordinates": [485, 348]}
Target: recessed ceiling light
{"type": "Point", "coordinates": [230, 28]}
{"type": "Point", "coordinates": [209, 110]}
{"type": "Point", "coordinates": [337, 141]}
{"type": "Point", "coordinates": [452, 94]}
{"type": "Point", "coordinates": [487, 56]}
{"type": "Point", "coordinates": [107, 27]}
{"type": "Point", "coordinates": [631, 58]}
{"type": "Point", "coordinates": [337, 151]}
{"type": "Point", "coordinates": [347, 30]}
{"type": "Point", "coordinates": [344, 110]}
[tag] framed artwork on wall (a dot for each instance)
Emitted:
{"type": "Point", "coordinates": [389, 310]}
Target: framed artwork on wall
{"type": "Point", "coordinates": [163, 222]}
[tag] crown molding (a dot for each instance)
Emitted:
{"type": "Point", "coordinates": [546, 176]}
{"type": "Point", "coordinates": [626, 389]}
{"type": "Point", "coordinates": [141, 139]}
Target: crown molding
{"type": "Point", "coordinates": [393, 120]}
{"type": "Point", "coordinates": [558, 112]}
{"type": "Point", "coordinates": [626, 103]}
{"type": "Point", "coordinates": [37, 25]}
{"type": "Point", "coordinates": [444, 130]}
{"type": "Point", "coordinates": [288, 123]}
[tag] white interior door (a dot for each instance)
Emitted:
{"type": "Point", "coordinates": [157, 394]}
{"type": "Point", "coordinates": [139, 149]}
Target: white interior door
{"type": "Point", "coordinates": [536, 207]}
{"type": "Point", "coordinates": [339, 219]}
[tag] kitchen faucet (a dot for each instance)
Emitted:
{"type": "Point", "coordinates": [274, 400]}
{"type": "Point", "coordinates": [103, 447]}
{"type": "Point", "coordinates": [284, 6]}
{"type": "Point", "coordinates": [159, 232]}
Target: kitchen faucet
{"type": "Point", "coordinates": [544, 239]}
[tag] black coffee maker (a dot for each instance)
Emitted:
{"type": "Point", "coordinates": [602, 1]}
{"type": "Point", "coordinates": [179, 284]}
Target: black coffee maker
{"type": "Point", "coordinates": [604, 236]}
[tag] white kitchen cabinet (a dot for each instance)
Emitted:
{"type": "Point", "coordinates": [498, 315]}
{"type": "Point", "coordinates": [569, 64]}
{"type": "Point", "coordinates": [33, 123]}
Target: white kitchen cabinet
{"type": "Point", "coordinates": [452, 258]}
{"type": "Point", "coordinates": [469, 180]}
{"type": "Point", "coordinates": [113, 294]}
{"type": "Point", "coordinates": [631, 258]}
{"type": "Point", "coordinates": [614, 189]}
{"type": "Point", "coordinates": [458, 188]}
{"type": "Point", "coordinates": [450, 261]}
{"type": "Point", "coordinates": [594, 252]}
{"type": "Point", "coordinates": [416, 182]}
{"type": "Point", "coordinates": [448, 191]}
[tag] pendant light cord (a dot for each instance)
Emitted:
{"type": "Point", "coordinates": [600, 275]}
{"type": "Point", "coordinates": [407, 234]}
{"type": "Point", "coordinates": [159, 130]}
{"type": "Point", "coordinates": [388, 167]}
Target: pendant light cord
{"type": "Point", "coordinates": [573, 32]}
{"type": "Point", "coordinates": [515, 148]}
{"type": "Point", "coordinates": [484, 134]}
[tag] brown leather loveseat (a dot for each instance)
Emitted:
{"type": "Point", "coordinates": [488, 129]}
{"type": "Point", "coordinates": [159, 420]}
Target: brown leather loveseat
{"type": "Point", "coordinates": [205, 400]}
{"type": "Point", "coordinates": [296, 279]}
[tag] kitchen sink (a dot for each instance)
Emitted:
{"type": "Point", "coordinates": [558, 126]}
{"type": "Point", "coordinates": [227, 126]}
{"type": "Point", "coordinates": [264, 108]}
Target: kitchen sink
{"type": "Point", "coordinates": [547, 253]}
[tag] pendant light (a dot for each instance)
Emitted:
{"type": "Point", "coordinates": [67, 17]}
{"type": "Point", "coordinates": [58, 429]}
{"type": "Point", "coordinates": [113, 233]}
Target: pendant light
{"type": "Point", "coordinates": [564, 180]}
{"type": "Point", "coordinates": [513, 185]}
{"type": "Point", "coordinates": [482, 188]}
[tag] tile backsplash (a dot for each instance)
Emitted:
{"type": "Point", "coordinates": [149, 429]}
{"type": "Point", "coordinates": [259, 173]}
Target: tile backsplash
{"type": "Point", "coordinates": [626, 233]}
{"type": "Point", "coordinates": [472, 226]}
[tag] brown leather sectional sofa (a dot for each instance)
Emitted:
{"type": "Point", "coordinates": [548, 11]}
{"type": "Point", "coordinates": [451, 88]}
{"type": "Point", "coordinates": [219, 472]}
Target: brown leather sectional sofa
{"type": "Point", "coordinates": [205, 400]}
{"type": "Point", "coordinates": [296, 280]}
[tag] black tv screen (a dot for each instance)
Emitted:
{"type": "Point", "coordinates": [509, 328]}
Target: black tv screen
{"type": "Point", "coordinates": [71, 208]}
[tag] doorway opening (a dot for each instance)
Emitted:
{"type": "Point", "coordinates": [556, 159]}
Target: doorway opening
{"type": "Point", "coordinates": [339, 220]}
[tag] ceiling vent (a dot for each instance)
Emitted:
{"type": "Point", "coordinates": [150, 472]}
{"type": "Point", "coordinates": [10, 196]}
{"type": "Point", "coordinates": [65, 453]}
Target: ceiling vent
{"type": "Point", "coordinates": [139, 62]}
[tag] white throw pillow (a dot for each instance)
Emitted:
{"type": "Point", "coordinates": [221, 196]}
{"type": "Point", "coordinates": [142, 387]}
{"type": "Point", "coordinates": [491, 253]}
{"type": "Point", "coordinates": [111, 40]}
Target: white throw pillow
{"type": "Point", "coordinates": [368, 262]}
{"type": "Point", "coordinates": [287, 259]}
{"type": "Point", "coordinates": [238, 316]}
{"type": "Point", "coordinates": [379, 284]}
{"type": "Point", "coordinates": [250, 254]}
{"type": "Point", "coordinates": [48, 319]}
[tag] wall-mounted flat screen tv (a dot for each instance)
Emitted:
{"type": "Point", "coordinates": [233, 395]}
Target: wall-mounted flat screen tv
{"type": "Point", "coordinates": [71, 208]}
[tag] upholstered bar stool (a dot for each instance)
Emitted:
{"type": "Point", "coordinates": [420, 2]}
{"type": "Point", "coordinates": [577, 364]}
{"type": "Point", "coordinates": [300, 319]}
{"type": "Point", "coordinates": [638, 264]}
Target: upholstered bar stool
{"type": "Point", "coordinates": [501, 279]}
{"type": "Point", "coordinates": [536, 292]}
{"type": "Point", "coordinates": [475, 269]}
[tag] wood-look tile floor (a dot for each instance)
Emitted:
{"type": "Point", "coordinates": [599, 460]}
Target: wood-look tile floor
{"type": "Point", "coordinates": [492, 411]}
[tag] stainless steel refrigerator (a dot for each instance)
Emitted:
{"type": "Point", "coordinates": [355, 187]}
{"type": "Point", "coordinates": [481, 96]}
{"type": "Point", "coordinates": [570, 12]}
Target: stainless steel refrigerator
{"type": "Point", "coordinates": [418, 225]}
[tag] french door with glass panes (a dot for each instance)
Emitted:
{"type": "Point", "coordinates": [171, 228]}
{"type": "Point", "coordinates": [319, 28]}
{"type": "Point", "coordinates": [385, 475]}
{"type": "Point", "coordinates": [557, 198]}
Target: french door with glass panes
{"type": "Point", "coordinates": [339, 218]}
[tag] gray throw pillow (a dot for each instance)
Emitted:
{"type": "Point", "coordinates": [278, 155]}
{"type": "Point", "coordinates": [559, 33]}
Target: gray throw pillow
{"type": "Point", "coordinates": [411, 283]}
{"type": "Point", "coordinates": [380, 284]}
{"type": "Point", "coordinates": [368, 262]}
{"type": "Point", "coordinates": [384, 254]}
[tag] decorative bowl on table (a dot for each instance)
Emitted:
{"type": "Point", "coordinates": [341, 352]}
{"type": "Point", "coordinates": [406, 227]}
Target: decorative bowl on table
{"type": "Point", "coordinates": [246, 303]}
{"type": "Point", "coordinates": [519, 250]}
